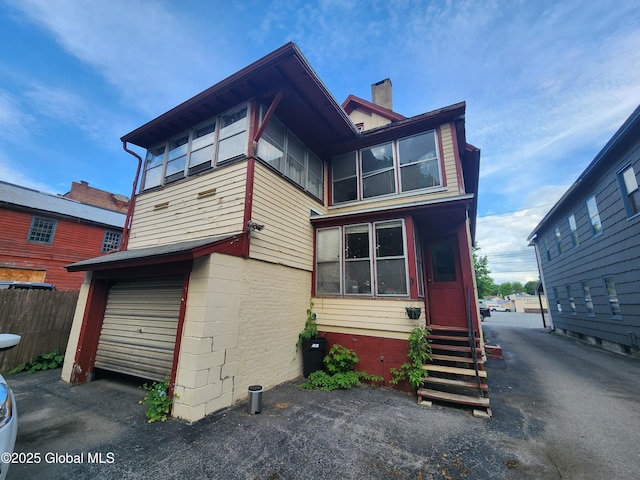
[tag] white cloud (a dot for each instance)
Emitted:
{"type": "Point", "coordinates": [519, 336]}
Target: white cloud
{"type": "Point", "coordinates": [153, 56]}
{"type": "Point", "coordinates": [15, 123]}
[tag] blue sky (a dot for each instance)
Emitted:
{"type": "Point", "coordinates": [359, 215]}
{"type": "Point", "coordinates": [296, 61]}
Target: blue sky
{"type": "Point", "coordinates": [546, 83]}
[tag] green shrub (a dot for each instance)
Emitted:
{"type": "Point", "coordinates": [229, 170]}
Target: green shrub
{"type": "Point", "coordinates": [419, 354]}
{"type": "Point", "coordinates": [46, 361]}
{"type": "Point", "coordinates": [340, 363]}
{"type": "Point", "coordinates": [157, 401]}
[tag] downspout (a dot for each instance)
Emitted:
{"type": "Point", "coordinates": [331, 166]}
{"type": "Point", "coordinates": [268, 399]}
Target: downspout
{"type": "Point", "coordinates": [132, 200]}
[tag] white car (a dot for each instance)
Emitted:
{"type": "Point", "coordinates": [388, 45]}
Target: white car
{"type": "Point", "coordinates": [8, 411]}
{"type": "Point", "coordinates": [501, 308]}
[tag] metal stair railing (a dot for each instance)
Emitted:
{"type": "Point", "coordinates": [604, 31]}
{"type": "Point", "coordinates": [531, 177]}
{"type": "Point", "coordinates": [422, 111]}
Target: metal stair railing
{"type": "Point", "coordinates": [472, 342]}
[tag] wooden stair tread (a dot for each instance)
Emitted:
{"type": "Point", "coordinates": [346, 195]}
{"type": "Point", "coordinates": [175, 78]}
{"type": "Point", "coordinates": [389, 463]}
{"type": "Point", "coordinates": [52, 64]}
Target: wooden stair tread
{"type": "Point", "coordinates": [444, 327]}
{"type": "Point", "coordinates": [454, 370]}
{"type": "Point", "coordinates": [453, 358]}
{"type": "Point", "coordinates": [454, 383]}
{"type": "Point", "coordinates": [451, 348]}
{"type": "Point", "coordinates": [453, 397]}
{"type": "Point", "coordinates": [451, 338]}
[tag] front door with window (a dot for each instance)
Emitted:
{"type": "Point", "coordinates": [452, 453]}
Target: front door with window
{"type": "Point", "coordinates": [444, 284]}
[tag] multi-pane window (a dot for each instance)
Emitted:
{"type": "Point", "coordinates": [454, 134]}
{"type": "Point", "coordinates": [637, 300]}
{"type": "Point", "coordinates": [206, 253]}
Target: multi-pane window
{"type": "Point", "coordinates": [558, 240]}
{"type": "Point", "coordinates": [378, 173]}
{"type": "Point", "coordinates": [42, 230]}
{"type": "Point", "coordinates": [573, 229]}
{"type": "Point", "coordinates": [415, 160]}
{"type": "Point", "coordinates": [630, 192]}
{"type": "Point", "coordinates": [572, 303]}
{"type": "Point", "coordinates": [345, 178]}
{"type": "Point", "coordinates": [594, 216]}
{"type": "Point", "coordinates": [367, 259]}
{"type": "Point", "coordinates": [111, 241]}
{"type": "Point", "coordinates": [613, 296]}
{"type": "Point", "coordinates": [285, 152]}
{"type": "Point", "coordinates": [587, 299]}
{"type": "Point", "coordinates": [194, 150]}
{"type": "Point", "coordinates": [419, 165]}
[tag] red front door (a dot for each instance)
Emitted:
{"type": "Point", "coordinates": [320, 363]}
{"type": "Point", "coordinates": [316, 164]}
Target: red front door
{"type": "Point", "coordinates": [444, 283]}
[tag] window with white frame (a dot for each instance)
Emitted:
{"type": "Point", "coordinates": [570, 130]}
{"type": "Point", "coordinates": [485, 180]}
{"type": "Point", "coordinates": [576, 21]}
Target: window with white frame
{"type": "Point", "coordinates": [594, 215]}
{"type": "Point", "coordinates": [285, 152]}
{"type": "Point", "coordinates": [547, 249]}
{"type": "Point", "coordinates": [630, 192]}
{"type": "Point", "coordinates": [366, 259]}
{"type": "Point", "coordinates": [613, 296]}
{"type": "Point", "coordinates": [404, 165]}
{"type": "Point", "coordinates": [42, 230]}
{"type": "Point", "coordinates": [558, 304]}
{"type": "Point", "coordinates": [111, 241]}
{"type": "Point", "coordinates": [194, 150]}
{"type": "Point", "coordinates": [573, 229]}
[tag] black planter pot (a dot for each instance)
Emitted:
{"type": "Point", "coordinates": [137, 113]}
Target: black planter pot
{"type": "Point", "coordinates": [313, 353]}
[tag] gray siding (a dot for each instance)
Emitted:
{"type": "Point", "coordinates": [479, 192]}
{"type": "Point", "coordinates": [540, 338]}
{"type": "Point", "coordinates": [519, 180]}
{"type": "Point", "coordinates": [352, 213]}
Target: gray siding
{"type": "Point", "coordinates": [613, 253]}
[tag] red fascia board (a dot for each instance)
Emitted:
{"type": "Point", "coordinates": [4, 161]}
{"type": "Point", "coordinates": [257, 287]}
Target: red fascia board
{"type": "Point", "coordinates": [352, 102]}
{"type": "Point", "coordinates": [229, 246]}
{"type": "Point", "coordinates": [387, 214]}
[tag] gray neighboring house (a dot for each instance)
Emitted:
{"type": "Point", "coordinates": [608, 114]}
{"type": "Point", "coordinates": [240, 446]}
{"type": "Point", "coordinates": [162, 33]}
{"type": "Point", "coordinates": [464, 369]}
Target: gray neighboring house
{"type": "Point", "coordinates": [588, 248]}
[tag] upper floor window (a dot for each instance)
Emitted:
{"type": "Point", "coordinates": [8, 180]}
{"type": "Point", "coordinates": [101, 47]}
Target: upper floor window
{"type": "Point", "coordinates": [404, 165]}
{"type": "Point", "coordinates": [366, 259]}
{"type": "Point", "coordinates": [194, 150]}
{"type": "Point", "coordinates": [630, 192]}
{"type": "Point", "coordinates": [573, 229]}
{"type": "Point", "coordinates": [558, 240]}
{"type": "Point", "coordinates": [42, 230]}
{"type": "Point", "coordinates": [285, 152]}
{"type": "Point", "coordinates": [111, 241]}
{"type": "Point", "coordinates": [547, 249]}
{"type": "Point", "coordinates": [594, 216]}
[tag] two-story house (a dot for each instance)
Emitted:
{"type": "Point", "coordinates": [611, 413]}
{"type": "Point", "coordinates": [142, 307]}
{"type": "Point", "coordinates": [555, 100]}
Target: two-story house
{"type": "Point", "coordinates": [587, 248]}
{"type": "Point", "coordinates": [42, 233]}
{"type": "Point", "coordinates": [258, 195]}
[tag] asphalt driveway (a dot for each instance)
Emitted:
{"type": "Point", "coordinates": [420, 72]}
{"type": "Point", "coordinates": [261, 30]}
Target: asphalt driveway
{"type": "Point", "coordinates": [99, 430]}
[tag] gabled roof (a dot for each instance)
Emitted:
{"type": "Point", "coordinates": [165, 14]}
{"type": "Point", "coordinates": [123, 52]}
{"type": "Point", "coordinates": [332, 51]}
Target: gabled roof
{"type": "Point", "coordinates": [306, 107]}
{"type": "Point", "coordinates": [17, 197]}
{"type": "Point", "coordinates": [630, 130]}
{"type": "Point", "coordinates": [352, 103]}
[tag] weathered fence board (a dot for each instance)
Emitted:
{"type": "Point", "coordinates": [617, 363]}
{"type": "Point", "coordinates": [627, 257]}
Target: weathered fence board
{"type": "Point", "coordinates": [41, 317]}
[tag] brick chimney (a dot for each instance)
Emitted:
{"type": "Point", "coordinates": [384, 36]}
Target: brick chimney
{"type": "Point", "coordinates": [381, 94]}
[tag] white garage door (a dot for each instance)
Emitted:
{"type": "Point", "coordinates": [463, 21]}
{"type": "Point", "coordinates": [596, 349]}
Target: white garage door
{"type": "Point", "coordinates": [139, 329]}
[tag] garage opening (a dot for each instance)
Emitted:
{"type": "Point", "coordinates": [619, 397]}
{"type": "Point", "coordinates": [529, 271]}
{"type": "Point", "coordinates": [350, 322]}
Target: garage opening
{"type": "Point", "coordinates": [138, 332]}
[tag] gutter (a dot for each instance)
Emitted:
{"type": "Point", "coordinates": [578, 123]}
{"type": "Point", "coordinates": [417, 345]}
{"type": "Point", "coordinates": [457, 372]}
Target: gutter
{"type": "Point", "coordinates": [132, 199]}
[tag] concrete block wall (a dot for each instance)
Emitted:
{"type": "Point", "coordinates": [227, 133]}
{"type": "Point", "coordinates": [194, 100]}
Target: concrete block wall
{"type": "Point", "coordinates": [241, 325]}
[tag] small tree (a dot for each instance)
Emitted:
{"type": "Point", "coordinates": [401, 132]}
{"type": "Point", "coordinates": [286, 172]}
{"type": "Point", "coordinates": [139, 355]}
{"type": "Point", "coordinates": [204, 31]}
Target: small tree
{"type": "Point", "coordinates": [530, 287]}
{"type": "Point", "coordinates": [505, 289]}
{"type": "Point", "coordinates": [517, 287]}
{"type": "Point", "coordinates": [484, 282]}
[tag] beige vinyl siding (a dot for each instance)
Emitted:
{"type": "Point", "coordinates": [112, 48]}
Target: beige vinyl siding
{"type": "Point", "coordinates": [377, 318]}
{"type": "Point", "coordinates": [284, 210]}
{"type": "Point", "coordinates": [451, 173]}
{"type": "Point", "coordinates": [190, 210]}
{"type": "Point", "coordinates": [369, 119]}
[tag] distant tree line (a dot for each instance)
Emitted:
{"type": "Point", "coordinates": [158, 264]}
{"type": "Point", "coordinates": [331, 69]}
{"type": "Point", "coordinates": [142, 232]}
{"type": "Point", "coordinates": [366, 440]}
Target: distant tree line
{"type": "Point", "coordinates": [486, 285]}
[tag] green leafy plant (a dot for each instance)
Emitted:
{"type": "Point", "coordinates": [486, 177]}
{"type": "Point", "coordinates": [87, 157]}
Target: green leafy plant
{"type": "Point", "coordinates": [46, 361]}
{"type": "Point", "coordinates": [157, 401]}
{"type": "Point", "coordinates": [419, 354]}
{"type": "Point", "coordinates": [339, 363]}
{"type": "Point", "coordinates": [310, 326]}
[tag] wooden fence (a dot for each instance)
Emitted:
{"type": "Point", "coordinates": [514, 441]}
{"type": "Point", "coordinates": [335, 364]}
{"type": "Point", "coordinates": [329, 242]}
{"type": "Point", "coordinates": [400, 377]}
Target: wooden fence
{"type": "Point", "coordinates": [41, 317]}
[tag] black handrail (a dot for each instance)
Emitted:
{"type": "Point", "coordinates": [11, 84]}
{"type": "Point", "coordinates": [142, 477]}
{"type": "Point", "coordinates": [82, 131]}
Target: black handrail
{"type": "Point", "coordinates": [472, 341]}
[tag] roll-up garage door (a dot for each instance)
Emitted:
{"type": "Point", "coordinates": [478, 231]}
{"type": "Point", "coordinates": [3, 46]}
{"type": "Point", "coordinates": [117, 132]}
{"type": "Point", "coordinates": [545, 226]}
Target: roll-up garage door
{"type": "Point", "coordinates": [139, 328]}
